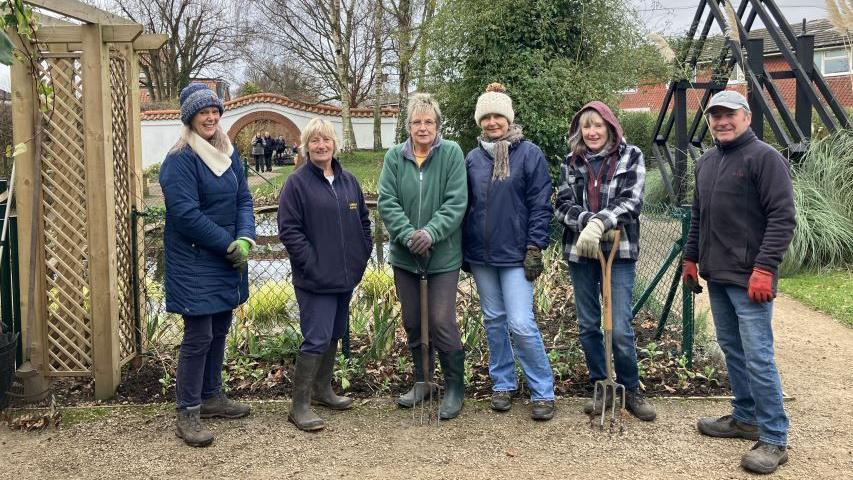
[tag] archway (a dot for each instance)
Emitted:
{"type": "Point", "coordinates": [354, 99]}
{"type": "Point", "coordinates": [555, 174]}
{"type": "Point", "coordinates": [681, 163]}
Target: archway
{"type": "Point", "coordinates": [288, 128]}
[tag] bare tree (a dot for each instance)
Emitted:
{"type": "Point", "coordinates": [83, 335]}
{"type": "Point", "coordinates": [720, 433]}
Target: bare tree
{"type": "Point", "coordinates": [204, 36]}
{"type": "Point", "coordinates": [409, 27]}
{"type": "Point", "coordinates": [378, 11]}
{"type": "Point", "coordinates": [330, 40]}
{"type": "Point", "coordinates": [278, 75]}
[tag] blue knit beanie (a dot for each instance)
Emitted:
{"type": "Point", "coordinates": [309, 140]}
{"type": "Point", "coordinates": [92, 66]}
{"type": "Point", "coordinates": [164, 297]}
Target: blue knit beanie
{"type": "Point", "coordinates": [195, 97]}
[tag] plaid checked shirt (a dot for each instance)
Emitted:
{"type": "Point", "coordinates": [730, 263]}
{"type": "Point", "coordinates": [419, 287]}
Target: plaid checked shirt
{"type": "Point", "coordinates": [620, 195]}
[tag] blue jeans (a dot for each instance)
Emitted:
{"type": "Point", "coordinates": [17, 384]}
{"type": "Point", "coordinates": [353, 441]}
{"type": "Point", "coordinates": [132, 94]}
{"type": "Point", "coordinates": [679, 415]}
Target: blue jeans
{"type": "Point", "coordinates": [202, 352]}
{"type": "Point", "coordinates": [586, 280]}
{"type": "Point", "coordinates": [507, 301]}
{"type": "Point", "coordinates": [746, 338]}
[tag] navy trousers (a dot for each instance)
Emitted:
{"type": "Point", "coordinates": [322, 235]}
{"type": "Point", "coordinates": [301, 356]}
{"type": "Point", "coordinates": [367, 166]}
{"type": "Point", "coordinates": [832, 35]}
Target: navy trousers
{"type": "Point", "coordinates": [323, 318]}
{"type": "Point", "coordinates": [200, 359]}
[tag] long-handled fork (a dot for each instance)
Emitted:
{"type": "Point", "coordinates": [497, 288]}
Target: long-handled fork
{"type": "Point", "coordinates": [428, 408]}
{"type": "Point", "coordinates": [608, 388]}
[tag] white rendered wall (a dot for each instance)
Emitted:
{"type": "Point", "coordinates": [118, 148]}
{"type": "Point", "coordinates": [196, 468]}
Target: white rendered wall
{"type": "Point", "coordinates": [158, 136]}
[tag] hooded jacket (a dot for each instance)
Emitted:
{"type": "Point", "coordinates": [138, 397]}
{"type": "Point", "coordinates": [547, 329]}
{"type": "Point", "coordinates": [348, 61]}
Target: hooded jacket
{"type": "Point", "coordinates": [505, 217]}
{"type": "Point", "coordinates": [743, 211]}
{"type": "Point", "coordinates": [325, 229]}
{"type": "Point", "coordinates": [432, 197]}
{"type": "Point", "coordinates": [614, 196]}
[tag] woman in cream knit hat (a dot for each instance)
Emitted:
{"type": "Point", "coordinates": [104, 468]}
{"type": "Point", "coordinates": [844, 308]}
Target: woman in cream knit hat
{"type": "Point", "coordinates": [505, 231]}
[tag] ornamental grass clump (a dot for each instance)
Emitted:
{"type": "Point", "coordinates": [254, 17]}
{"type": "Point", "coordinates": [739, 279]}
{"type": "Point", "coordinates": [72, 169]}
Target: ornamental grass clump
{"type": "Point", "coordinates": [823, 194]}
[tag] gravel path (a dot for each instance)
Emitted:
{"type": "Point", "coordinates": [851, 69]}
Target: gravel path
{"type": "Point", "coordinates": [377, 440]}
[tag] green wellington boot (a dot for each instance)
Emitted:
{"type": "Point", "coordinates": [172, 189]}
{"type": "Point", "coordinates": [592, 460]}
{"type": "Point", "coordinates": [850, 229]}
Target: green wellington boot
{"type": "Point", "coordinates": [301, 414]}
{"type": "Point", "coordinates": [453, 365]}
{"type": "Point", "coordinates": [323, 393]}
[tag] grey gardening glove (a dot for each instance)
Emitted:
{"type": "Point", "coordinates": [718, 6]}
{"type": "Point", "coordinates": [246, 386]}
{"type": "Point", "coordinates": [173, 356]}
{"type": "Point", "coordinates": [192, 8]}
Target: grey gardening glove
{"type": "Point", "coordinates": [589, 238]}
{"type": "Point", "coordinates": [420, 243]}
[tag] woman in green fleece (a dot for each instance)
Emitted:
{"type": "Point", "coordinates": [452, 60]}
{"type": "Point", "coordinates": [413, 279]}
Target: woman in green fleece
{"type": "Point", "coordinates": [423, 195]}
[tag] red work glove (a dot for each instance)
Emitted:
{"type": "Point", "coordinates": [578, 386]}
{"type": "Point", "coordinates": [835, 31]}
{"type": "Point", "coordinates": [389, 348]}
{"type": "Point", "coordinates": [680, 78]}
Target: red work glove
{"type": "Point", "coordinates": [760, 286]}
{"type": "Point", "coordinates": [690, 276]}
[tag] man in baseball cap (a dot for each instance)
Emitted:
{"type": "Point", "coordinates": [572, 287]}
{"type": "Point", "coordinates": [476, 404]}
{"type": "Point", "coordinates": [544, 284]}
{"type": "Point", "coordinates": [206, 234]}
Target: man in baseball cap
{"type": "Point", "coordinates": [741, 225]}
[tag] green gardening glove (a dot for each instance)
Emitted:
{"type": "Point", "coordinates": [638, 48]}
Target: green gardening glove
{"type": "Point", "coordinates": [533, 265]}
{"type": "Point", "coordinates": [589, 238]}
{"type": "Point", "coordinates": [238, 252]}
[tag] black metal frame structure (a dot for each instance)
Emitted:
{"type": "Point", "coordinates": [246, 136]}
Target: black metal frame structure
{"type": "Point", "coordinates": [792, 131]}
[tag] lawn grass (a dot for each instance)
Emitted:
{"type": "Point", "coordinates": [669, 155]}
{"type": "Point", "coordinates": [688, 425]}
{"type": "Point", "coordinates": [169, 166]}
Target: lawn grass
{"type": "Point", "coordinates": [364, 164]}
{"type": "Point", "coordinates": [828, 292]}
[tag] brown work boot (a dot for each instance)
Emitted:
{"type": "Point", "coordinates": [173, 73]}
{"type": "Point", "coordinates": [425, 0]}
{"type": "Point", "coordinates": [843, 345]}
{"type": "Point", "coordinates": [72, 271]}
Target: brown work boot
{"type": "Point", "coordinates": [764, 458]}
{"type": "Point", "coordinates": [542, 410]}
{"type": "Point", "coordinates": [727, 427]}
{"type": "Point", "coordinates": [501, 401]}
{"type": "Point", "coordinates": [323, 393]}
{"type": "Point", "coordinates": [636, 403]}
{"type": "Point", "coordinates": [593, 406]}
{"type": "Point", "coordinates": [188, 426]}
{"type": "Point", "coordinates": [223, 407]}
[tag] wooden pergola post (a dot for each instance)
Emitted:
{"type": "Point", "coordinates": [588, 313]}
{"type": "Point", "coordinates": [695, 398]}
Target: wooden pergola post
{"type": "Point", "coordinates": [100, 196]}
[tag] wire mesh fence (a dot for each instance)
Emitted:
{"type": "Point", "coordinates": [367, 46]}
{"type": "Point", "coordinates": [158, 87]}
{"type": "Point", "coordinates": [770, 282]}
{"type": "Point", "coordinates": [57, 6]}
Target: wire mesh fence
{"type": "Point", "coordinates": [271, 313]}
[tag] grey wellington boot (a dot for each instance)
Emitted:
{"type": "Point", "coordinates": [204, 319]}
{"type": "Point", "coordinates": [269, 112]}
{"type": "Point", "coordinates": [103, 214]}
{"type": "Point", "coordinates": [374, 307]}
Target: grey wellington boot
{"type": "Point", "coordinates": [188, 426]}
{"type": "Point", "coordinates": [301, 414]}
{"type": "Point", "coordinates": [416, 395]}
{"type": "Point", "coordinates": [323, 393]}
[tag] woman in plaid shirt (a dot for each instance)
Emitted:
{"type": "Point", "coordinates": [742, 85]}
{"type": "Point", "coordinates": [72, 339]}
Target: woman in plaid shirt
{"type": "Point", "coordinates": [601, 189]}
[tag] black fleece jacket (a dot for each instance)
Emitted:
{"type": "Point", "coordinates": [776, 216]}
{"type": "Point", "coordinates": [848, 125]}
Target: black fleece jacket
{"type": "Point", "coordinates": [743, 211]}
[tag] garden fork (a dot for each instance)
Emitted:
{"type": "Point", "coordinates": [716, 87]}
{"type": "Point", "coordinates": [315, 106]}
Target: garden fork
{"type": "Point", "coordinates": [427, 411]}
{"type": "Point", "coordinates": [609, 385]}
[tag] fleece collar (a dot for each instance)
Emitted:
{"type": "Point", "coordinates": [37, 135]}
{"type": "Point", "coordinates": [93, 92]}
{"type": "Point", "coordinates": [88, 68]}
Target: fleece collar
{"type": "Point", "coordinates": [216, 161]}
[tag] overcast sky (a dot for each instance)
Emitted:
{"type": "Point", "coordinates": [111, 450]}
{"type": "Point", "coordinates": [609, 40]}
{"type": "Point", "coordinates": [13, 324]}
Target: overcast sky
{"type": "Point", "coordinates": [674, 18]}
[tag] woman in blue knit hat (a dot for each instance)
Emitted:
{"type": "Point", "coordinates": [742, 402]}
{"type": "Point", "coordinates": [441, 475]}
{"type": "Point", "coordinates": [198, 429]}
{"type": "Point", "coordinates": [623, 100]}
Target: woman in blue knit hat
{"type": "Point", "coordinates": [210, 229]}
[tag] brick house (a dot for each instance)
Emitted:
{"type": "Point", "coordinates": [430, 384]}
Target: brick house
{"type": "Point", "coordinates": [831, 57]}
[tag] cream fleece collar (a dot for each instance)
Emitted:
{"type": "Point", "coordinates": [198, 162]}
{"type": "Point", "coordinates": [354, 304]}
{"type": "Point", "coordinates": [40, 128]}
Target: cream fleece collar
{"type": "Point", "coordinates": [216, 161]}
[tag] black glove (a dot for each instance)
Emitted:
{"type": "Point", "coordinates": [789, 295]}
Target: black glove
{"type": "Point", "coordinates": [420, 243]}
{"type": "Point", "coordinates": [533, 265]}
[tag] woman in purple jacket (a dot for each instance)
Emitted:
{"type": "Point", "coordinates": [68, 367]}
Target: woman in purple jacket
{"type": "Point", "coordinates": [324, 225]}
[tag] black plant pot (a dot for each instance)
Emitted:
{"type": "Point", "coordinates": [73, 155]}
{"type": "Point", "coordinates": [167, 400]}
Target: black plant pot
{"type": "Point", "coordinates": [8, 347]}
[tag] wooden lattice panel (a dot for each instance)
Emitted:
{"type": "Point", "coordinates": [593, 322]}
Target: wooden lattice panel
{"type": "Point", "coordinates": [123, 202]}
{"type": "Point", "coordinates": [63, 172]}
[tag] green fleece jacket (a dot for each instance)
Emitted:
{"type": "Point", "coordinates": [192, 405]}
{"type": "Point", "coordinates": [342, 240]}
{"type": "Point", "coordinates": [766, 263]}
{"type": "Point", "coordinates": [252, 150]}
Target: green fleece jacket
{"type": "Point", "coordinates": [433, 197]}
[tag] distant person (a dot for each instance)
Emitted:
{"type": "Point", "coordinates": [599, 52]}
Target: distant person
{"type": "Point", "coordinates": [324, 224]}
{"type": "Point", "coordinates": [279, 150]}
{"type": "Point", "coordinates": [210, 229]}
{"type": "Point", "coordinates": [269, 148]}
{"type": "Point", "coordinates": [258, 151]}
{"type": "Point", "coordinates": [742, 222]}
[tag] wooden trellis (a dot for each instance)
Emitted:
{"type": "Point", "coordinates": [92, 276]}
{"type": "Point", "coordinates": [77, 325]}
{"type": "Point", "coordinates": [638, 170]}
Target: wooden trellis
{"type": "Point", "coordinates": [87, 180]}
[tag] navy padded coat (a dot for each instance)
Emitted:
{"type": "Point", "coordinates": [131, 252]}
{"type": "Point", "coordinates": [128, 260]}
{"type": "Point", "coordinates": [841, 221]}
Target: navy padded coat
{"type": "Point", "coordinates": [504, 217]}
{"type": "Point", "coordinates": [204, 214]}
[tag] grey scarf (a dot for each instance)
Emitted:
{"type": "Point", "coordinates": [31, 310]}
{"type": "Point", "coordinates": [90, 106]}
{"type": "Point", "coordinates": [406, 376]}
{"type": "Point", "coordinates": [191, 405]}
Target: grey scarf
{"type": "Point", "coordinates": [499, 150]}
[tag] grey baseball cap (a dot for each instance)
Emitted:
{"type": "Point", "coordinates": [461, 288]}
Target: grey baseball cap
{"type": "Point", "coordinates": [728, 99]}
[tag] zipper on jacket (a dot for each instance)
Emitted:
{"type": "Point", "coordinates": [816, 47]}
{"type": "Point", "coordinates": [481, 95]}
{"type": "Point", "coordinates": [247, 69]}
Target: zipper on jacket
{"type": "Point", "coordinates": [341, 230]}
{"type": "Point", "coordinates": [420, 192]}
